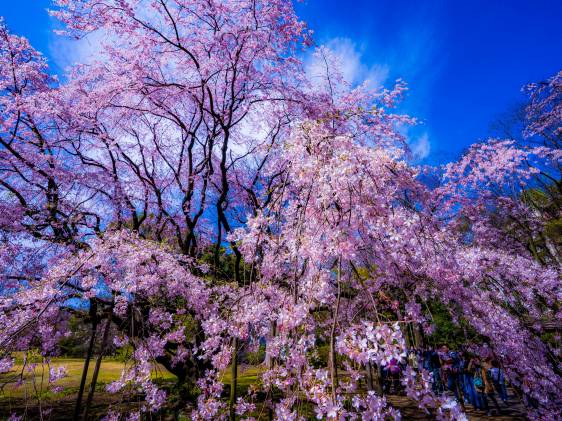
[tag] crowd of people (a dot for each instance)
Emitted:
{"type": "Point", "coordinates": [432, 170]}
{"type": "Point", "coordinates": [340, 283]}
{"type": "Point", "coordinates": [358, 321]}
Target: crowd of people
{"type": "Point", "coordinates": [474, 380]}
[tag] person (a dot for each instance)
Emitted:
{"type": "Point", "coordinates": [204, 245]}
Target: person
{"type": "Point", "coordinates": [435, 370]}
{"type": "Point", "coordinates": [450, 368]}
{"type": "Point", "coordinates": [394, 374]}
{"type": "Point", "coordinates": [489, 391]}
{"type": "Point", "coordinates": [476, 367]}
{"type": "Point", "coordinates": [498, 379]}
{"type": "Point", "coordinates": [426, 356]}
{"type": "Point", "coordinates": [420, 358]}
{"type": "Point", "coordinates": [413, 359]}
{"type": "Point", "coordinates": [474, 384]}
{"type": "Point", "coordinates": [464, 381]}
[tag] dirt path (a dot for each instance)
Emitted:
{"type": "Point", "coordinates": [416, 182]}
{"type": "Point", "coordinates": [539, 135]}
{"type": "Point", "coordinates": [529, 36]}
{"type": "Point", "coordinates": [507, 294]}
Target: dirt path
{"type": "Point", "coordinates": [512, 412]}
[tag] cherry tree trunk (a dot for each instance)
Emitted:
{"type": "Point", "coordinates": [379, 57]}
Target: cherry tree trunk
{"type": "Point", "coordinates": [233, 379]}
{"type": "Point", "coordinates": [369, 369]}
{"type": "Point", "coordinates": [96, 370]}
{"type": "Point", "coordinates": [86, 364]}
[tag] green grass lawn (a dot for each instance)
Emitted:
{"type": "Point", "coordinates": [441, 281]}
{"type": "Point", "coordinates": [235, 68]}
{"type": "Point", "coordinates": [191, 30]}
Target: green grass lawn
{"type": "Point", "coordinates": [15, 398]}
{"type": "Point", "coordinates": [37, 380]}
{"type": "Point", "coordinates": [247, 375]}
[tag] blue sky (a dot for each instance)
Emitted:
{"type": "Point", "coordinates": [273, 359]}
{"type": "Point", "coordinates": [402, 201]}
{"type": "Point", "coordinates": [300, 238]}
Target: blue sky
{"type": "Point", "coordinates": [465, 61]}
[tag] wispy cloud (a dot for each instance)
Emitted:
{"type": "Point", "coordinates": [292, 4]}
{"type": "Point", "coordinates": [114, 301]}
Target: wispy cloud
{"type": "Point", "coordinates": [67, 51]}
{"type": "Point", "coordinates": [420, 147]}
{"type": "Point", "coordinates": [352, 64]}
{"type": "Point", "coordinates": [413, 55]}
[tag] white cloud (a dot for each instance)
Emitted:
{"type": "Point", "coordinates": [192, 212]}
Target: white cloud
{"type": "Point", "coordinates": [421, 147]}
{"type": "Point", "coordinates": [351, 64]}
{"type": "Point", "coordinates": [66, 51]}
{"type": "Point", "coordinates": [355, 67]}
